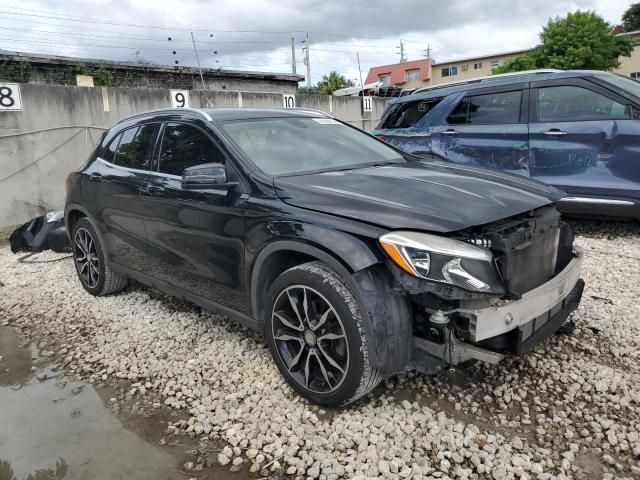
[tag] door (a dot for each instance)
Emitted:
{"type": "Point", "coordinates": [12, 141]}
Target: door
{"type": "Point", "coordinates": [113, 189]}
{"type": "Point", "coordinates": [583, 139]}
{"type": "Point", "coordinates": [196, 237]}
{"type": "Point", "coordinates": [487, 128]}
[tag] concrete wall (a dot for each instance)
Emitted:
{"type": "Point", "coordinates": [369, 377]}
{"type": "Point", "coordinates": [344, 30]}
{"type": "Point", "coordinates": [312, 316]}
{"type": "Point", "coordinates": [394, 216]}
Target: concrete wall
{"type": "Point", "coordinates": [59, 126]}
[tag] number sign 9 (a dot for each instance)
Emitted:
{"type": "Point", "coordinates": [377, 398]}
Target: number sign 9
{"type": "Point", "coordinates": [10, 98]}
{"type": "Point", "coordinates": [180, 98]}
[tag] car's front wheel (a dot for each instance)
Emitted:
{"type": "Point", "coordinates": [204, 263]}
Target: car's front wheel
{"type": "Point", "coordinates": [315, 333]}
{"type": "Point", "coordinates": [95, 275]}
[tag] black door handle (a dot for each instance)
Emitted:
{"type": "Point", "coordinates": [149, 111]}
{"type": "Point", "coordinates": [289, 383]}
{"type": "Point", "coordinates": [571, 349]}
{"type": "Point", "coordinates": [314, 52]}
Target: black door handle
{"type": "Point", "coordinates": [450, 131]}
{"type": "Point", "coordinates": [95, 177]}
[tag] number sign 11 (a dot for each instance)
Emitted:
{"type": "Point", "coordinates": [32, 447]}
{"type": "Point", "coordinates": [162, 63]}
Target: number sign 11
{"type": "Point", "coordinates": [367, 104]}
{"type": "Point", "coordinates": [180, 98]}
{"type": "Point", "coordinates": [10, 99]}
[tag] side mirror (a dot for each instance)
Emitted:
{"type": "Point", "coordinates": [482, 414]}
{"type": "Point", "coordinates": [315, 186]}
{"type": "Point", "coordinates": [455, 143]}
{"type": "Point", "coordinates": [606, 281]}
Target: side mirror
{"type": "Point", "coordinates": [208, 176]}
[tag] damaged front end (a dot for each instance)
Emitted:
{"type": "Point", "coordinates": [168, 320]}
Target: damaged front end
{"type": "Point", "coordinates": [487, 291]}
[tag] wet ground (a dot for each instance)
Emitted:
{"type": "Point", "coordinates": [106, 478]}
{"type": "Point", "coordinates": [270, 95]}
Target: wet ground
{"type": "Point", "coordinates": [53, 427]}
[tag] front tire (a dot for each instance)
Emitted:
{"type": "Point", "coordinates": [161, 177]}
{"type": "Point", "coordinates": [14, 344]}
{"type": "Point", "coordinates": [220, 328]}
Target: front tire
{"type": "Point", "coordinates": [315, 332]}
{"type": "Point", "coordinates": [94, 273]}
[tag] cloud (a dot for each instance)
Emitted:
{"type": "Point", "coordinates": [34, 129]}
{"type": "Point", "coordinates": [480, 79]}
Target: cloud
{"type": "Point", "coordinates": [255, 34]}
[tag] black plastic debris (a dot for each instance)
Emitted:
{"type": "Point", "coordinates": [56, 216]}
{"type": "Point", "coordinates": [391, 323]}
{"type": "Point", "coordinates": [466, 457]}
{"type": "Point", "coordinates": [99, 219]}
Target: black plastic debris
{"type": "Point", "coordinates": [41, 233]}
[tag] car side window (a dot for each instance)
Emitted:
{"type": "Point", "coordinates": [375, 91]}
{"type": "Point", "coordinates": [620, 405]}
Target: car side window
{"type": "Point", "coordinates": [136, 146]}
{"type": "Point", "coordinates": [185, 146]}
{"type": "Point", "coordinates": [407, 114]}
{"type": "Point", "coordinates": [490, 109]}
{"type": "Point", "coordinates": [460, 113]}
{"type": "Point", "coordinates": [569, 103]}
{"type": "Point", "coordinates": [109, 152]}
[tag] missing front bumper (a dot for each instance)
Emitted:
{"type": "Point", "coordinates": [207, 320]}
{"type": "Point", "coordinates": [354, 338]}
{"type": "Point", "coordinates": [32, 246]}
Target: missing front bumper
{"type": "Point", "coordinates": [488, 321]}
{"type": "Point", "coordinates": [509, 327]}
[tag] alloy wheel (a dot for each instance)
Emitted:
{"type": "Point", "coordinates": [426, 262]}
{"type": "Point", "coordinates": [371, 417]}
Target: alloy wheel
{"type": "Point", "coordinates": [310, 339]}
{"type": "Point", "coordinates": [86, 258]}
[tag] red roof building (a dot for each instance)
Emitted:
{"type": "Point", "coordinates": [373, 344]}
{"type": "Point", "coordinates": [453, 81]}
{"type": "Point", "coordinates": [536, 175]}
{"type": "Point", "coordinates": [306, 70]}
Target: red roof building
{"type": "Point", "coordinates": [406, 74]}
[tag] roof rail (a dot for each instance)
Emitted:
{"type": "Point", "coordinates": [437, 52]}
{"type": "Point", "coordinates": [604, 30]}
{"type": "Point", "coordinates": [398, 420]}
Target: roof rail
{"type": "Point", "coordinates": [487, 78]}
{"type": "Point", "coordinates": [312, 110]}
{"type": "Point", "coordinates": [202, 113]}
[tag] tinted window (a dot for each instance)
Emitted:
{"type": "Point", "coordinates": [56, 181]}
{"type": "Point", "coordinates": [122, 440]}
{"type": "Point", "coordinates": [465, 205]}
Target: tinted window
{"type": "Point", "coordinates": [135, 147]}
{"type": "Point", "coordinates": [406, 114]}
{"type": "Point", "coordinates": [459, 114]}
{"type": "Point", "coordinates": [185, 146]}
{"type": "Point", "coordinates": [495, 108]}
{"type": "Point", "coordinates": [571, 104]}
{"type": "Point", "coordinates": [491, 109]}
{"type": "Point", "coordinates": [109, 152]}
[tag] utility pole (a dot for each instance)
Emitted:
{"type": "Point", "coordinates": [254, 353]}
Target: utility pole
{"type": "Point", "coordinates": [197, 60]}
{"type": "Point", "coordinates": [360, 70]}
{"type": "Point", "coordinates": [428, 51]}
{"type": "Point", "coordinates": [306, 60]}
{"type": "Point", "coordinates": [293, 55]}
{"type": "Point", "coordinates": [403, 58]}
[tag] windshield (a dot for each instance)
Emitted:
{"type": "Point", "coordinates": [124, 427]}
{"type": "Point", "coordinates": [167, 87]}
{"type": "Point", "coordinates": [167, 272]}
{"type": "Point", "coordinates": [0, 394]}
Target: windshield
{"type": "Point", "coordinates": [284, 146]}
{"type": "Point", "coordinates": [624, 85]}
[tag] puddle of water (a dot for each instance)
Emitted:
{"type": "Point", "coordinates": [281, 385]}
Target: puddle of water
{"type": "Point", "coordinates": [45, 426]}
{"type": "Point", "coordinates": [65, 429]}
{"type": "Point", "coordinates": [43, 423]}
{"type": "Point", "coordinates": [15, 366]}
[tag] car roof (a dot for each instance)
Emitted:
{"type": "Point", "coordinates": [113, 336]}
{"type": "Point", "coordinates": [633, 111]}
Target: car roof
{"type": "Point", "coordinates": [225, 114]}
{"type": "Point", "coordinates": [492, 81]}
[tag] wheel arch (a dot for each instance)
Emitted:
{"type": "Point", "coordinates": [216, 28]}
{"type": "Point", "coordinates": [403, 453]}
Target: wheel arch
{"type": "Point", "coordinates": [281, 255]}
{"type": "Point", "coordinates": [388, 329]}
{"type": "Point", "coordinates": [74, 212]}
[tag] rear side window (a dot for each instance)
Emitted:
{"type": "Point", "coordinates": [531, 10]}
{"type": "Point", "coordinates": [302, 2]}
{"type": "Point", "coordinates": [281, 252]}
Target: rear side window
{"type": "Point", "coordinates": [571, 104]}
{"type": "Point", "coordinates": [109, 152]}
{"type": "Point", "coordinates": [135, 147]}
{"type": "Point", "coordinates": [185, 146]}
{"type": "Point", "coordinates": [490, 109]}
{"type": "Point", "coordinates": [132, 148]}
{"type": "Point", "coordinates": [407, 114]}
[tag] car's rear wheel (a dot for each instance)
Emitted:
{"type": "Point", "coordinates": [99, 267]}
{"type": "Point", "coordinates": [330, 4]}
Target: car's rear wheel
{"type": "Point", "coordinates": [315, 333]}
{"type": "Point", "coordinates": [95, 275]}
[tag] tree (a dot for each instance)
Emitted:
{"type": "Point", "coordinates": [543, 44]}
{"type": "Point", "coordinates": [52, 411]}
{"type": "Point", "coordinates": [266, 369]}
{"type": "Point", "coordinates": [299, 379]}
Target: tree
{"type": "Point", "coordinates": [332, 82]}
{"type": "Point", "coordinates": [582, 40]}
{"type": "Point", "coordinates": [631, 18]}
{"type": "Point", "coordinates": [308, 90]}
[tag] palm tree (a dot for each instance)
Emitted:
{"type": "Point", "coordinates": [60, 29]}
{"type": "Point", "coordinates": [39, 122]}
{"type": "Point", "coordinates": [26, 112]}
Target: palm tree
{"type": "Point", "coordinates": [332, 82]}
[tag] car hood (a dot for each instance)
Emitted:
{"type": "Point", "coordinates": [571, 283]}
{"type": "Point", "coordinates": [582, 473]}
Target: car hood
{"type": "Point", "coordinates": [430, 196]}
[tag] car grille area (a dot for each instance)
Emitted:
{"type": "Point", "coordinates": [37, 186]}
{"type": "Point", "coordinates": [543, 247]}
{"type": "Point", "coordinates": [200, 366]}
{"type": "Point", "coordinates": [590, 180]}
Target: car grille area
{"type": "Point", "coordinates": [529, 249]}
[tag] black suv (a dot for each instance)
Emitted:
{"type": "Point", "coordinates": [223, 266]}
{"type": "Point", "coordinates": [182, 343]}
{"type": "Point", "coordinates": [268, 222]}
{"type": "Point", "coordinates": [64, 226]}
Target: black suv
{"type": "Point", "coordinates": [354, 259]}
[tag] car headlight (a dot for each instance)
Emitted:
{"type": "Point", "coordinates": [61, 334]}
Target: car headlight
{"type": "Point", "coordinates": [444, 260]}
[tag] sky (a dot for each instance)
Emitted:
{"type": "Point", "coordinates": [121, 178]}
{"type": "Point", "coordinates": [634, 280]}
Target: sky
{"type": "Point", "coordinates": [256, 34]}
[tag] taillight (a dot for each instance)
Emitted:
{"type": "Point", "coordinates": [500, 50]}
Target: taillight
{"type": "Point", "coordinates": [381, 137]}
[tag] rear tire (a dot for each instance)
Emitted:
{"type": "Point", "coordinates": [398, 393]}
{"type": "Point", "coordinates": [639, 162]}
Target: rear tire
{"type": "Point", "coordinates": [316, 335]}
{"type": "Point", "coordinates": [94, 273]}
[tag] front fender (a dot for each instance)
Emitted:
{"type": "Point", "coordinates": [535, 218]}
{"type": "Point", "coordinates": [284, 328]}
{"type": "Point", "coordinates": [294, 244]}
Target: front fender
{"type": "Point", "coordinates": [362, 266]}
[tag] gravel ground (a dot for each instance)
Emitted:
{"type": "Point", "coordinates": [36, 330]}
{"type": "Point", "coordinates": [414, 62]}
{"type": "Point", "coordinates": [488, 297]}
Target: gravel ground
{"type": "Point", "coordinates": [571, 409]}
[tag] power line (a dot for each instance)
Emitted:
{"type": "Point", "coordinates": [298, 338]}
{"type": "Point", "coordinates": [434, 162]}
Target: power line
{"type": "Point", "coordinates": [74, 18]}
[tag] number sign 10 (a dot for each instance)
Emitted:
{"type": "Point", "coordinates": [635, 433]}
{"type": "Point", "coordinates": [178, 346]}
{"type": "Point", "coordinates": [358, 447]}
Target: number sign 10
{"type": "Point", "coordinates": [10, 99]}
{"type": "Point", "coordinates": [288, 101]}
{"type": "Point", "coordinates": [180, 98]}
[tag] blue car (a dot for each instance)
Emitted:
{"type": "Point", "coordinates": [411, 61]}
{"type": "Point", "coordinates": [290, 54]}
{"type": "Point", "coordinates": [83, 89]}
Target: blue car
{"type": "Point", "coordinates": [576, 130]}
